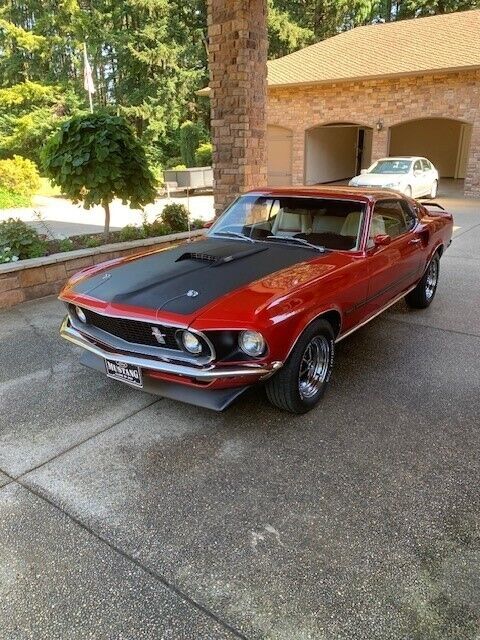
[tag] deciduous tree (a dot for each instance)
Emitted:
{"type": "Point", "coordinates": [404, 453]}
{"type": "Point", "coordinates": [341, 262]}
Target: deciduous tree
{"type": "Point", "coordinates": [96, 158]}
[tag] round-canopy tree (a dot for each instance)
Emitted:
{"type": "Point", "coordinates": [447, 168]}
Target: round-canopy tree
{"type": "Point", "coordinates": [96, 158]}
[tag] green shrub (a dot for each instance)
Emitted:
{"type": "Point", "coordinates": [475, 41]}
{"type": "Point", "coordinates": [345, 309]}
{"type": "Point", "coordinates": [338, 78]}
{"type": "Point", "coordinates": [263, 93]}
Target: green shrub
{"type": "Point", "coordinates": [65, 245]}
{"type": "Point", "coordinates": [130, 232]}
{"type": "Point", "coordinates": [23, 241]}
{"type": "Point", "coordinates": [11, 200]}
{"type": "Point", "coordinates": [197, 223]}
{"type": "Point", "coordinates": [173, 163]}
{"type": "Point", "coordinates": [157, 228]}
{"type": "Point", "coordinates": [92, 241]}
{"type": "Point", "coordinates": [157, 171]}
{"type": "Point", "coordinates": [19, 175]}
{"type": "Point", "coordinates": [175, 216]}
{"type": "Point", "coordinates": [203, 155]}
{"type": "Point", "coordinates": [7, 255]}
{"type": "Point", "coordinates": [190, 136]}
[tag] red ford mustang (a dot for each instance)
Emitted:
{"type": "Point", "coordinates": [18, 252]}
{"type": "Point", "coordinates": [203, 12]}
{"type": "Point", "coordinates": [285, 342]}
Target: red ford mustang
{"type": "Point", "coordinates": [280, 277]}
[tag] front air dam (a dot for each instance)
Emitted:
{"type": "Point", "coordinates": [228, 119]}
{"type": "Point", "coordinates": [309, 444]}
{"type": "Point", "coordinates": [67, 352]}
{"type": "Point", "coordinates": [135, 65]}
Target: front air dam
{"type": "Point", "coordinates": [216, 399]}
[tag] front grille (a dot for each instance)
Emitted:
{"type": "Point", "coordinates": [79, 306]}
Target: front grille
{"type": "Point", "coordinates": [133, 330]}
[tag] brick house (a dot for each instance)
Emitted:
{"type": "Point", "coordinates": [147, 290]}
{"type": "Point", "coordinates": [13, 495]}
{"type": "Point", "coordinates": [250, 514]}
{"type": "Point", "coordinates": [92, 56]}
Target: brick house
{"type": "Point", "coordinates": [409, 87]}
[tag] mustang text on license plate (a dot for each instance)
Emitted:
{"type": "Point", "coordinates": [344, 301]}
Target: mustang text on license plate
{"type": "Point", "coordinates": [125, 372]}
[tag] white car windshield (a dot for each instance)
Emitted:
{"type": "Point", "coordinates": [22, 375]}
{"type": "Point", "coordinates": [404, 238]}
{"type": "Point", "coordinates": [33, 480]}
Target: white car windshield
{"type": "Point", "coordinates": [318, 222]}
{"type": "Point", "coordinates": [391, 166]}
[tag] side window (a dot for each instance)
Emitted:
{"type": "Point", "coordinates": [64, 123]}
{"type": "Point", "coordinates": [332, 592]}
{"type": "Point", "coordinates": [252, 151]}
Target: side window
{"type": "Point", "coordinates": [409, 213]}
{"type": "Point", "coordinates": [417, 166]}
{"type": "Point", "coordinates": [388, 219]}
{"type": "Point", "coordinates": [426, 165]}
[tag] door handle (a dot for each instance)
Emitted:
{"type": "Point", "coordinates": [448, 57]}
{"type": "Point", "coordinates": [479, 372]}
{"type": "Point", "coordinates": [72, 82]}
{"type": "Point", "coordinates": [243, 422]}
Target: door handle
{"type": "Point", "coordinates": [415, 241]}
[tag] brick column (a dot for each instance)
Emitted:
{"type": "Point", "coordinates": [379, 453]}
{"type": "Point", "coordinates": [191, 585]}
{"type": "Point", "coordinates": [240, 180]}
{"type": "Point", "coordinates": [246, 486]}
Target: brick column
{"type": "Point", "coordinates": [380, 140]}
{"type": "Point", "coordinates": [237, 32]}
{"type": "Point", "coordinates": [472, 176]}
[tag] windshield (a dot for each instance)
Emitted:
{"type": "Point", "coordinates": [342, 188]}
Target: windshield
{"type": "Point", "coordinates": [333, 224]}
{"type": "Point", "coordinates": [391, 166]}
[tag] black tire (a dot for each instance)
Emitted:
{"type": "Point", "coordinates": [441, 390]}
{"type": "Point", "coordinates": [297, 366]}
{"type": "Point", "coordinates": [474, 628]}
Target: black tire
{"type": "Point", "coordinates": [289, 391]}
{"type": "Point", "coordinates": [421, 297]}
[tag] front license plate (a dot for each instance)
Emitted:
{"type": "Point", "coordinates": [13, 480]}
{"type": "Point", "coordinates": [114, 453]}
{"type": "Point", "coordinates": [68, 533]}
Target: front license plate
{"type": "Point", "coordinates": [128, 373]}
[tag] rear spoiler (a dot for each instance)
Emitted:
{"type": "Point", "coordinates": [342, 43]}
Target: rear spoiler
{"type": "Point", "coordinates": [426, 203]}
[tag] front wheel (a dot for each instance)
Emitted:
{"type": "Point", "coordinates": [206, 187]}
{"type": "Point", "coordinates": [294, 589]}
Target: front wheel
{"type": "Point", "coordinates": [408, 191]}
{"type": "Point", "coordinates": [433, 190]}
{"type": "Point", "coordinates": [424, 292]}
{"type": "Point", "coordinates": [302, 381]}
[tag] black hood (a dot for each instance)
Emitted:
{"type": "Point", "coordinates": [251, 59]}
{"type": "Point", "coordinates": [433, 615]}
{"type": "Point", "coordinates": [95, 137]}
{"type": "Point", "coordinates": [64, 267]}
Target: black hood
{"type": "Point", "coordinates": [185, 279]}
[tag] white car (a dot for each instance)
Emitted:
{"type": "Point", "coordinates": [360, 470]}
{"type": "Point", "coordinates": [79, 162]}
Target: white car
{"type": "Point", "coordinates": [411, 175]}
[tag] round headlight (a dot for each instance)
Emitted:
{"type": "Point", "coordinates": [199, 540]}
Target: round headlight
{"type": "Point", "coordinates": [191, 342]}
{"type": "Point", "coordinates": [251, 342]}
{"type": "Point", "coordinates": [81, 314]}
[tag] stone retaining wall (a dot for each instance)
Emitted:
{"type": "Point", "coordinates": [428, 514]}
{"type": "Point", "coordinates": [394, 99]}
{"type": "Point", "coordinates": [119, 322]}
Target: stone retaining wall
{"type": "Point", "coordinates": [39, 277]}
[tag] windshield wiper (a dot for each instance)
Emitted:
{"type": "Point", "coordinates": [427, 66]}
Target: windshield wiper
{"type": "Point", "coordinates": [232, 234]}
{"type": "Point", "coordinates": [299, 240]}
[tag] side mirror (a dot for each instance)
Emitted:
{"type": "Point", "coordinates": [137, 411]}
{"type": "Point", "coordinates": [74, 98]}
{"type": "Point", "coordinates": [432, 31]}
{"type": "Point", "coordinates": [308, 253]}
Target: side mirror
{"type": "Point", "coordinates": [208, 224]}
{"type": "Point", "coordinates": [417, 173]}
{"type": "Point", "coordinates": [363, 171]}
{"type": "Point", "coordinates": [382, 240]}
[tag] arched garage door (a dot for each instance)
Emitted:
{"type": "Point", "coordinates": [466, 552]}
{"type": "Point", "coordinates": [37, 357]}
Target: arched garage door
{"type": "Point", "coordinates": [443, 141]}
{"type": "Point", "coordinates": [279, 151]}
{"type": "Point", "coordinates": [336, 152]}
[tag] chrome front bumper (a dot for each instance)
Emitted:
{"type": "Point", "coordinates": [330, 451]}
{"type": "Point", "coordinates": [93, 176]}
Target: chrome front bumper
{"type": "Point", "coordinates": [207, 373]}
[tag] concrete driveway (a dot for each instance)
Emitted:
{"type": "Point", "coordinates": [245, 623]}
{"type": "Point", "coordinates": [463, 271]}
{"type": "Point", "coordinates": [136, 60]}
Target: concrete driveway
{"type": "Point", "coordinates": [127, 516]}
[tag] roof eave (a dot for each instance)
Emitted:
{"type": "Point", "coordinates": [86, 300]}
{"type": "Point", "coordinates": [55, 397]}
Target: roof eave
{"type": "Point", "coordinates": [382, 76]}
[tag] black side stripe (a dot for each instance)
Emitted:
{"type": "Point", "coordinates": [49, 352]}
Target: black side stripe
{"type": "Point", "coordinates": [392, 285]}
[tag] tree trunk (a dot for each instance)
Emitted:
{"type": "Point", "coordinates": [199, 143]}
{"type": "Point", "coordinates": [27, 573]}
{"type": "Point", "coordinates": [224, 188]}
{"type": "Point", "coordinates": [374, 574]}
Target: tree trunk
{"type": "Point", "coordinates": [106, 229]}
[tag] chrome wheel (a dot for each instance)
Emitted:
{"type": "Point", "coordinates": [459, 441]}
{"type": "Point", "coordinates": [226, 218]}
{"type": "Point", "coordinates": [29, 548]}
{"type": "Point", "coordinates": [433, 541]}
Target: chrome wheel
{"type": "Point", "coordinates": [314, 366]}
{"type": "Point", "coordinates": [431, 280]}
{"type": "Point", "coordinates": [433, 191]}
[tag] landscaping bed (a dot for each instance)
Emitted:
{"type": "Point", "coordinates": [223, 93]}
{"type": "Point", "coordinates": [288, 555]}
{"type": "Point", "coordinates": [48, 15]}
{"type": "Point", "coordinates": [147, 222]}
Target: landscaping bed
{"type": "Point", "coordinates": [19, 241]}
{"type": "Point", "coordinates": [127, 234]}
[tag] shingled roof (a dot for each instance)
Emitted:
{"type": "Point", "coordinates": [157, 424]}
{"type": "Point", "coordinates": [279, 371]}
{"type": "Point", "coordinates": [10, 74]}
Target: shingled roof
{"type": "Point", "coordinates": [448, 42]}
{"type": "Point", "coordinates": [409, 47]}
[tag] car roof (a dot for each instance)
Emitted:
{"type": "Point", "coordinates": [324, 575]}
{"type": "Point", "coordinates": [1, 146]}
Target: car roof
{"type": "Point", "coordinates": [358, 194]}
{"type": "Point", "coordinates": [402, 158]}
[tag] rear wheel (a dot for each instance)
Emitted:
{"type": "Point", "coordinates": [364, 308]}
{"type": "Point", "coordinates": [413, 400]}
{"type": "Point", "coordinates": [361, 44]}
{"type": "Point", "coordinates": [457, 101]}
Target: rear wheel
{"type": "Point", "coordinates": [302, 381]}
{"type": "Point", "coordinates": [424, 292]}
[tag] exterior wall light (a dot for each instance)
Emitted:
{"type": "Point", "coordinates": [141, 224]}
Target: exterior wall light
{"type": "Point", "coordinates": [379, 125]}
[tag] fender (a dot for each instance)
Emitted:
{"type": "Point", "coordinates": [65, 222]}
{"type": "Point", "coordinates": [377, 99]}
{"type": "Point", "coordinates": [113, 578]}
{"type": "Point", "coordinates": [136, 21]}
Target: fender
{"type": "Point", "coordinates": [312, 317]}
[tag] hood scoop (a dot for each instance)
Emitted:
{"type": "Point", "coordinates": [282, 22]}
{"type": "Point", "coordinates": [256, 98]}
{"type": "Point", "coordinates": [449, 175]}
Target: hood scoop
{"type": "Point", "coordinates": [222, 255]}
{"type": "Point", "coordinates": [202, 257]}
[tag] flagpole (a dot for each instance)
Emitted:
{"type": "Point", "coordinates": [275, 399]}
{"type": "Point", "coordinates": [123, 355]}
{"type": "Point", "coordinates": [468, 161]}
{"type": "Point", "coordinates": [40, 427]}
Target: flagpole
{"type": "Point", "coordinates": [87, 80]}
{"type": "Point", "coordinates": [90, 101]}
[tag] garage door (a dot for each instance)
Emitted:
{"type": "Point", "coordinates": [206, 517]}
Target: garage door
{"type": "Point", "coordinates": [279, 146]}
{"type": "Point", "coordinates": [444, 141]}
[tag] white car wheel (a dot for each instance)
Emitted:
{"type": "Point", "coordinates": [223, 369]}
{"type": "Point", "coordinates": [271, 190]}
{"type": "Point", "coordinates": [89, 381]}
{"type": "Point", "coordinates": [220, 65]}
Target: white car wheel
{"type": "Point", "coordinates": [434, 189]}
{"type": "Point", "coordinates": [408, 191]}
